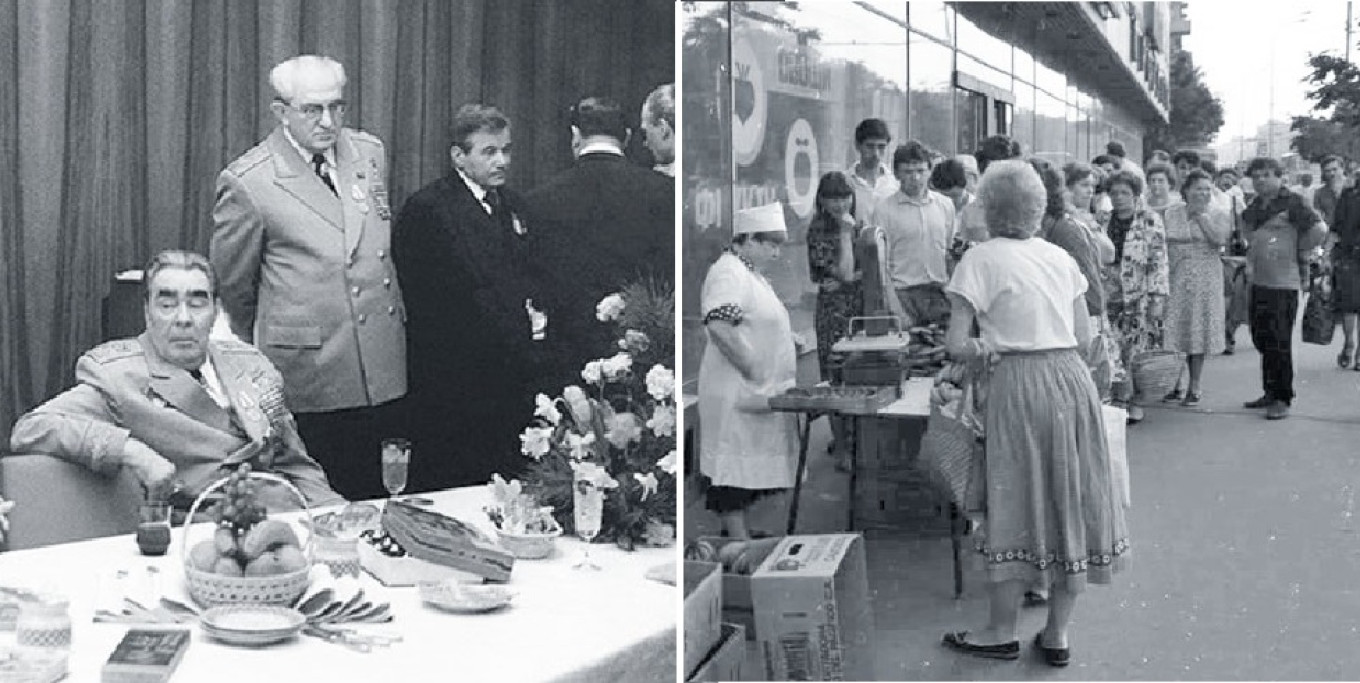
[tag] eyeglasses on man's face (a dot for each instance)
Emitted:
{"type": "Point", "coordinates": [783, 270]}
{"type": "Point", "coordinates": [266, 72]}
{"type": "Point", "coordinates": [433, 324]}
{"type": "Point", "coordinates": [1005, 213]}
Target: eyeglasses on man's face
{"type": "Point", "coordinates": [314, 111]}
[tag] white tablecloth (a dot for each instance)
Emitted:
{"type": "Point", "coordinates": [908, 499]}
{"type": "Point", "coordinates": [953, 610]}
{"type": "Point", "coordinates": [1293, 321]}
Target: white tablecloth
{"type": "Point", "coordinates": [612, 624]}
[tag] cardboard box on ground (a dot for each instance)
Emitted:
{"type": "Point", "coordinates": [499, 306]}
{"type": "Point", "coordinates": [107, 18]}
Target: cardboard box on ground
{"type": "Point", "coordinates": [703, 608]}
{"type": "Point", "coordinates": [807, 600]}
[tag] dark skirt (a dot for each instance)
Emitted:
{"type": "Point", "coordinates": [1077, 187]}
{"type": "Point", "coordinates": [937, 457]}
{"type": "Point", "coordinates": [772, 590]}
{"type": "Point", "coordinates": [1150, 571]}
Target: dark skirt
{"type": "Point", "coordinates": [1346, 271]}
{"type": "Point", "coordinates": [724, 499]}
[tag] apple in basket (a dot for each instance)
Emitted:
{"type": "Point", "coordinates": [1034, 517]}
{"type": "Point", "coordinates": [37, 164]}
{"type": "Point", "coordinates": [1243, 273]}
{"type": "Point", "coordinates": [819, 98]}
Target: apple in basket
{"type": "Point", "coordinates": [246, 542]}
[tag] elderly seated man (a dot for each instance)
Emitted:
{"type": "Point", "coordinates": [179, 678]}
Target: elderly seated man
{"type": "Point", "coordinates": [176, 408]}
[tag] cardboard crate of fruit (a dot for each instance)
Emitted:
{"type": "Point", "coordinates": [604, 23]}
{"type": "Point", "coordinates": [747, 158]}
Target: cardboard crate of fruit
{"type": "Point", "coordinates": [249, 557]}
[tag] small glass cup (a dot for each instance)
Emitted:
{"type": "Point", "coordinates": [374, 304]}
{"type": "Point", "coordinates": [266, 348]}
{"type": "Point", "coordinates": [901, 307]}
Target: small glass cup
{"type": "Point", "coordinates": [153, 527]}
{"type": "Point", "coordinates": [396, 458]}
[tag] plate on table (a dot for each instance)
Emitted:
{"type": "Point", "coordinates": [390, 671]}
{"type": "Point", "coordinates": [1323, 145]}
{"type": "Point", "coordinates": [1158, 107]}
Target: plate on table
{"type": "Point", "coordinates": [252, 624]}
{"type": "Point", "coordinates": [462, 598]}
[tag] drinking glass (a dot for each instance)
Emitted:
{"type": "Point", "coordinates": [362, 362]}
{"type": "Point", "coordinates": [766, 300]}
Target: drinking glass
{"type": "Point", "coordinates": [396, 456]}
{"type": "Point", "coordinates": [153, 527]}
{"type": "Point", "coordinates": [588, 508]}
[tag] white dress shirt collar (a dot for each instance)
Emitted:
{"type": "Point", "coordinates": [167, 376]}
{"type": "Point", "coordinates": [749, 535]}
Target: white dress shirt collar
{"type": "Point", "coordinates": [600, 146]}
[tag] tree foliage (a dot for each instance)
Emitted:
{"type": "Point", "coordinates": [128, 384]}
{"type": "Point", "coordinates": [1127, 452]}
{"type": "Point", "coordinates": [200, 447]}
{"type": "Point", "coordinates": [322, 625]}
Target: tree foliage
{"type": "Point", "coordinates": [1196, 114]}
{"type": "Point", "coordinates": [1335, 94]}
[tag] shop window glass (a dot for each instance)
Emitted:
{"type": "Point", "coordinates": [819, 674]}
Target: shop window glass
{"type": "Point", "coordinates": [706, 223]}
{"type": "Point", "coordinates": [984, 46]}
{"type": "Point", "coordinates": [932, 94]}
{"type": "Point", "coordinates": [984, 73]}
{"type": "Point", "coordinates": [1023, 68]}
{"type": "Point", "coordinates": [1050, 129]}
{"type": "Point", "coordinates": [933, 18]}
{"type": "Point", "coordinates": [798, 80]}
{"type": "Point", "coordinates": [1022, 130]}
{"type": "Point", "coordinates": [1049, 80]}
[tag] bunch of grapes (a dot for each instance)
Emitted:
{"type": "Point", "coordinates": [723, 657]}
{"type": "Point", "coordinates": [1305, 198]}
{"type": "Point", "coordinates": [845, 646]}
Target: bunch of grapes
{"type": "Point", "coordinates": [238, 511]}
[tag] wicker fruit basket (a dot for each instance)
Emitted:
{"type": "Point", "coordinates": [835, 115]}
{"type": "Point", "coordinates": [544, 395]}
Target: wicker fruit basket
{"type": "Point", "coordinates": [273, 566]}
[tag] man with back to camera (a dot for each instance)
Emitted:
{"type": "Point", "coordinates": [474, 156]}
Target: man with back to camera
{"type": "Point", "coordinates": [301, 245]}
{"type": "Point", "coordinates": [478, 324]}
{"type": "Point", "coordinates": [870, 176]}
{"type": "Point", "coordinates": [1281, 231]}
{"type": "Point", "coordinates": [605, 223]}
{"type": "Point", "coordinates": [919, 225]}
{"type": "Point", "coordinates": [658, 127]}
{"type": "Point", "coordinates": [178, 409]}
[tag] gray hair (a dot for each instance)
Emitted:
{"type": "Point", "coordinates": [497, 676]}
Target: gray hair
{"type": "Point", "coordinates": [290, 76]}
{"type": "Point", "coordinates": [660, 106]}
{"type": "Point", "coordinates": [1013, 197]}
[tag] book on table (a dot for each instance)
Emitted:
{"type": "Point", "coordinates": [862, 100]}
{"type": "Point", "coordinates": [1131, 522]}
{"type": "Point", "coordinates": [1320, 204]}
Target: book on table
{"type": "Point", "coordinates": [146, 655]}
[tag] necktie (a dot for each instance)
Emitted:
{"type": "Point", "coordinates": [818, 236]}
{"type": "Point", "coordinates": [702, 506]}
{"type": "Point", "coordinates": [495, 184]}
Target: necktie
{"type": "Point", "coordinates": [207, 388]}
{"type": "Point", "coordinates": [499, 212]}
{"type": "Point", "coordinates": [319, 165]}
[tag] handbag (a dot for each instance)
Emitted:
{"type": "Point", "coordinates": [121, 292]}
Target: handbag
{"type": "Point", "coordinates": [1115, 442]}
{"type": "Point", "coordinates": [1319, 321]}
{"type": "Point", "coordinates": [1155, 369]}
{"type": "Point", "coordinates": [953, 450]}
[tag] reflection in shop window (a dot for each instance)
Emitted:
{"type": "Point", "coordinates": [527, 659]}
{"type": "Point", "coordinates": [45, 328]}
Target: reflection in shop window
{"type": "Point", "coordinates": [933, 18]}
{"type": "Point", "coordinates": [1023, 130]}
{"type": "Point", "coordinates": [1024, 65]}
{"type": "Point", "coordinates": [932, 94]}
{"type": "Point", "coordinates": [984, 46]}
{"type": "Point", "coordinates": [1050, 129]}
{"type": "Point", "coordinates": [1048, 79]}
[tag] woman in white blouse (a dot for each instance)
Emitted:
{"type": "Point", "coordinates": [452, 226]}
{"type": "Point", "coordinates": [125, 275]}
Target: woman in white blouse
{"type": "Point", "coordinates": [1051, 513]}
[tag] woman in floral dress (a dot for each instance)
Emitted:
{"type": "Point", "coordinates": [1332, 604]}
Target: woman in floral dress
{"type": "Point", "coordinates": [1137, 285]}
{"type": "Point", "coordinates": [1195, 233]}
{"type": "Point", "coordinates": [840, 297]}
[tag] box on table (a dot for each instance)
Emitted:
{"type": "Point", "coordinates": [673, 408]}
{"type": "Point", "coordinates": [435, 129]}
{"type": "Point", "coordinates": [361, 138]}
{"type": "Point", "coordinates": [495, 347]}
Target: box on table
{"type": "Point", "coordinates": [812, 612]}
{"type": "Point", "coordinates": [902, 500]}
{"type": "Point", "coordinates": [724, 663]}
{"type": "Point", "coordinates": [888, 443]}
{"type": "Point", "coordinates": [703, 607]}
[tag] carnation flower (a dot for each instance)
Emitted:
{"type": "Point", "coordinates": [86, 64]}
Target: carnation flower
{"type": "Point", "coordinates": [535, 442]}
{"type": "Point", "coordinates": [618, 366]}
{"type": "Point", "coordinates": [667, 464]}
{"type": "Point", "coordinates": [610, 308]}
{"type": "Point", "coordinates": [580, 445]}
{"type": "Point", "coordinates": [578, 403]}
{"type": "Point", "coordinates": [593, 372]}
{"type": "Point", "coordinates": [660, 383]}
{"type": "Point", "coordinates": [648, 482]}
{"type": "Point", "coordinates": [546, 408]}
{"type": "Point", "coordinates": [622, 429]}
{"type": "Point", "coordinates": [663, 421]}
{"type": "Point", "coordinates": [635, 342]}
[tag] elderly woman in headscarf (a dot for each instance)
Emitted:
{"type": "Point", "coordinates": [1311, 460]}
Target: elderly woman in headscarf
{"type": "Point", "coordinates": [746, 451]}
{"type": "Point", "coordinates": [1051, 512]}
{"type": "Point", "coordinates": [1136, 285]}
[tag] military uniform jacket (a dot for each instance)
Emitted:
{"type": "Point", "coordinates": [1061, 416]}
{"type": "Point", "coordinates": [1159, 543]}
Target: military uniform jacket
{"type": "Point", "coordinates": [125, 390]}
{"type": "Point", "coordinates": [307, 275]}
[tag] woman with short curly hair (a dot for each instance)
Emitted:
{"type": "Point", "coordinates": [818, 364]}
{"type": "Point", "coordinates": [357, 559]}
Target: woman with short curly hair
{"type": "Point", "coordinates": [1051, 514]}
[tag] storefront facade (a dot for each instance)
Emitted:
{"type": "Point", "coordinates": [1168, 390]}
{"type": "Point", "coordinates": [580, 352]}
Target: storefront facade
{"type": "Point", "coordinates": [773, 92]}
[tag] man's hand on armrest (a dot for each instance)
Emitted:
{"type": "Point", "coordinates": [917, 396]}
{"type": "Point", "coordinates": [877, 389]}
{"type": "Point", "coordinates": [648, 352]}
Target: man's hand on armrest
{"type": "Point", "coordinates": [155, 472]}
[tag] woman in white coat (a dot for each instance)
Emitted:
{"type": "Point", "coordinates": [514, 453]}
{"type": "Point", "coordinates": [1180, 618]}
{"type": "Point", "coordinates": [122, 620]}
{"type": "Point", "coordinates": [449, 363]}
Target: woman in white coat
{"type": "Point", "coordinates": [746, 451]}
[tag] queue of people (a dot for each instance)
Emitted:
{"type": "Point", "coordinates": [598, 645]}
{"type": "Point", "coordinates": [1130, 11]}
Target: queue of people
{"type": "Point", "coordinates": [356, 320]}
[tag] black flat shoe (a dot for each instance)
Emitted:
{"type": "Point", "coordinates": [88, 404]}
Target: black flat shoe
{"type": "Point", "coordinates": [1053, 656]}
{"type": "Point", "coordinates": [958, 642]}
{"type": "Point", "coordinates": [1035, 599]}
{"type": "Point", "coordinates": [1263, 402]}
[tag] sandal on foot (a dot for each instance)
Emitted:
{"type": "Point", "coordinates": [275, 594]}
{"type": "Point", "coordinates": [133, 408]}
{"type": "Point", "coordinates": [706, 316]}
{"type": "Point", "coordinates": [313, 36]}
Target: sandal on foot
{"type": "Point", "coordinates": [1192, 398]}
{"type": "Point", "coordinates": [1346, 358]}
{"type": "Point", "coordinates": [1172, 396]}
{"type": "Point", "coordinates": [959, 642]}
{"type": "Point", "coordinates": [1053, 656]}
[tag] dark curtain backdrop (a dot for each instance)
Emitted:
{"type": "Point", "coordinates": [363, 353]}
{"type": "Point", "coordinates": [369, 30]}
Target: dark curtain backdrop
{"type": "Point", "coordinates": [117, 115]}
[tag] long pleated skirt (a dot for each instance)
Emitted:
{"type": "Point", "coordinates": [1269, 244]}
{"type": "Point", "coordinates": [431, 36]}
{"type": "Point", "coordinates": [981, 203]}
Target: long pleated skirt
{"type": "Point", "coordinates": [1052, 514]}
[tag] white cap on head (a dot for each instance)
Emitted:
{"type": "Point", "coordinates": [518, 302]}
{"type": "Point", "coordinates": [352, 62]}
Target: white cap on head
{"type": "Point", "coordinates": [767, 218]}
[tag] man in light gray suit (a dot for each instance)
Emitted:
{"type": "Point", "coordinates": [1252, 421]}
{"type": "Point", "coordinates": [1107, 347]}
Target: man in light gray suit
{"type": "Point", "coordinates": [302, 246]}
{"type": "Point", "coordinates": [177, 409]}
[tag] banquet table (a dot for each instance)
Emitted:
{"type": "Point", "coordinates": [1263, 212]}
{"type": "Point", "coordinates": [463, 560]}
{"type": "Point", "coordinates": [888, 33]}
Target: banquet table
{"type": "Point", "coordinates": [563, 624]}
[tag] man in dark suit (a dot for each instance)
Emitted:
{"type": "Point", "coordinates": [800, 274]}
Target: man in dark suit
{"type": "Point", "coordinates": [608, 222]}
{"type": "Point", "coordinates": [477, 319]}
